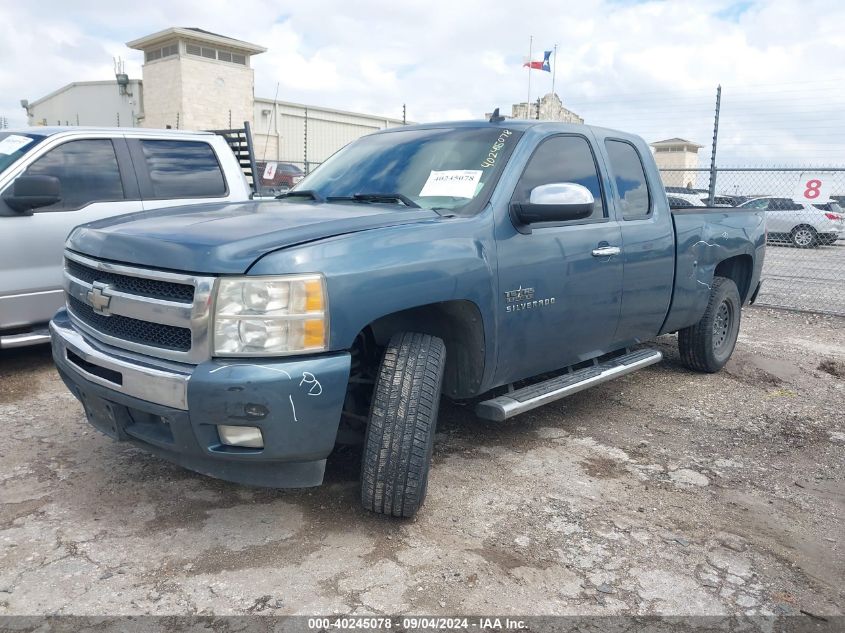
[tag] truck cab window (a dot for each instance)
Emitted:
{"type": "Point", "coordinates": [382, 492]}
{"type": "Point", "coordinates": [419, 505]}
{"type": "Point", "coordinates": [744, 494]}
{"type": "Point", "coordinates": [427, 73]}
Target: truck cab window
{"type": "Point", "coordinates": [183, 169]}
{"type": "Point", "coordinates": [628, 173]}
{"type": "Point", "coordinates": [562, 159]}
{"type": "Point", "coordinates": [87, 171]}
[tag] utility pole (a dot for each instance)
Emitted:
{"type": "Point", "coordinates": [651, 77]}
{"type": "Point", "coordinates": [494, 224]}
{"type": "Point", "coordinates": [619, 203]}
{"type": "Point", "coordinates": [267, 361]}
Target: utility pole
{"type": "Point", "coordinates": [305, 141]}
{"type": "Point", "coordinates": [712, 189]}
{"type": "Point", "coordinates": [530, 53]}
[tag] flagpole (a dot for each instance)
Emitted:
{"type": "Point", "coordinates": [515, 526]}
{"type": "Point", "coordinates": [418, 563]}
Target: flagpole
{"type": "Point", "coordinates": [554, 70]}
{"type": "Point", "coordinates": [530, 53]}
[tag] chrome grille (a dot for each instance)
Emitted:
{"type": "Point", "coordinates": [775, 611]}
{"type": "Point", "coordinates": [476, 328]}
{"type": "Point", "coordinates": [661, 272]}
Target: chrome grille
{"type": "Point", "coordinates": [157, 313]}
{"type": "Point", "coordinates": [133, 285]}
{"type": "Point", "coordinates": [133, 330]}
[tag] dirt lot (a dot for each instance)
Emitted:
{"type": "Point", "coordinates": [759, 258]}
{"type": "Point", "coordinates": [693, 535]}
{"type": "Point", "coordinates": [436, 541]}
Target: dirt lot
{"type": "Point", "coordinates": [666, 492]}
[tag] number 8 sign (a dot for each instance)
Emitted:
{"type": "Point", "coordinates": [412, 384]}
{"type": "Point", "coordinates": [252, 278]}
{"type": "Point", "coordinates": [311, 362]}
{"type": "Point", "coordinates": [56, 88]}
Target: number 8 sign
{"type": "Point", "coordinates": [812, 188]}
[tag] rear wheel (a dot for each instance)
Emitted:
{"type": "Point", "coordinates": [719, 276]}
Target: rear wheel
{"type": "Point", "coordinates": [804, 237]}
{"type": "Point", "coordinates": [400, 431]}
{"type": "Point", "coordinates": [707, 345]}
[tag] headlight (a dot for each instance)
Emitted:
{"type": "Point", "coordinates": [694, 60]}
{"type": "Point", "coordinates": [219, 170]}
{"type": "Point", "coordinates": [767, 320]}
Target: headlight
{"type": "Point", "coordinates": [270, 316]}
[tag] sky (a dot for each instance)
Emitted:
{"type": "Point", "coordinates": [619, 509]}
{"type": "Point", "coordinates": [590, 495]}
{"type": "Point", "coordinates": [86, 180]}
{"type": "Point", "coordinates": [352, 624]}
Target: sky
{"type": "Point", "coordinates": [647, 67]}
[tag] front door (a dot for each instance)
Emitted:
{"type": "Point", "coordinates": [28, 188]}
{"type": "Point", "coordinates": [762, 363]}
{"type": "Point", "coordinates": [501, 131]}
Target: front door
{"type": "Point", "coordinates": [559, 293]}
{"type": "Point", "coordinates": [31, 246]}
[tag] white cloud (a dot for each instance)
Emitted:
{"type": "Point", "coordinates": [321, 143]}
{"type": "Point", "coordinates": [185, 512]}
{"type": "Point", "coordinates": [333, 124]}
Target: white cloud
{"type": "Point", "coordinates": [648, 67]}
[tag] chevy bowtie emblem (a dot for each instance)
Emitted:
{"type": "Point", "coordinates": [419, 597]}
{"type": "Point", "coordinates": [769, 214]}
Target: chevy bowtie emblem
{"type": "Point", "coordinates": [98, 298]}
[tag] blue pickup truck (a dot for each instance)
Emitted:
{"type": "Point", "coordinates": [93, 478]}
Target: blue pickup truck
{"type": "Point", "coordinates": [502, 263]}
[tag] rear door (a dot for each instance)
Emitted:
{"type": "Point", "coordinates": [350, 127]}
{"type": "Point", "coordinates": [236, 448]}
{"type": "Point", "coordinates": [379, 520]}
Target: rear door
{"type": "Point", "coordinates": [648, 241]}
{"type": "Point", "coordinates": [559, 298]}
{"type": "Point", "coordinates": [175, 172]}
{"type": "Point", "coordinates": [97, 181]}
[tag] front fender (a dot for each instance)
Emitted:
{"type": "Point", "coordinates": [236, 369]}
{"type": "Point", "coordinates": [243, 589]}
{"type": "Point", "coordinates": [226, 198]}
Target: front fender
{"type": "Point", "coordinates": [373, 274]}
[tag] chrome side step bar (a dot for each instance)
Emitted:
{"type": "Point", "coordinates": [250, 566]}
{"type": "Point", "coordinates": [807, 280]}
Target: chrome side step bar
{"type": "Point", "coordinates": [536, 395]}
{"type": "Point", "coordinates": [22, 340]}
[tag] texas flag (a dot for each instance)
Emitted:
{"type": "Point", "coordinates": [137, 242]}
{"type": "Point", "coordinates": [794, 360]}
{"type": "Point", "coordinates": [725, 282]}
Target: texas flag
{"type": "Point", "coordinates": [543, 65]}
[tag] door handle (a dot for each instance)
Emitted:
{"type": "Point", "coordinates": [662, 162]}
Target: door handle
{"type": "Point", "coordinates": [606, 251]}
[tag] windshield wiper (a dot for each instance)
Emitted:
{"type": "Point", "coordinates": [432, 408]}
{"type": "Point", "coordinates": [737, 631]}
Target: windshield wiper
{"type": "Point", "coordinates": [304, 193]}
{"type": "Point", "coordinates": [378, 197]}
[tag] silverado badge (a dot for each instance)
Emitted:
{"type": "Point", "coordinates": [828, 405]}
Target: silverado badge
{"type": "Point", "coordinates": [523, 299]}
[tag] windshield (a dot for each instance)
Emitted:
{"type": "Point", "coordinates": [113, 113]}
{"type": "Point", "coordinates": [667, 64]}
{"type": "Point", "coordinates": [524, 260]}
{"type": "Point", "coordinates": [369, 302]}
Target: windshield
{"type": "Point", "coordinates": [13, 145]}
{"type": "Point", "coordinates": [448, 169]}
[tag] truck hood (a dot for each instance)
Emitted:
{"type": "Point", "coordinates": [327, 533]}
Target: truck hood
{"type": "Point", "coordinates": [227, 238]}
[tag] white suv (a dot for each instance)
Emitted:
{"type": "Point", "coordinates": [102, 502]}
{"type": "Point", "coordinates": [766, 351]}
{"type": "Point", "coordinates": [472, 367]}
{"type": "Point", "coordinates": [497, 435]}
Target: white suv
{"type": "Point", "coordinates": [799, 223]}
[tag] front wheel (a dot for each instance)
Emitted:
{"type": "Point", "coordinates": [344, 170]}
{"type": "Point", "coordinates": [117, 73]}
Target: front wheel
{"type": "Point", "coordinates": [400, 430]}
{"type": "Point", "coordinates": [804, 237]}
{"type": "Point", "coordinates": [707, 345]}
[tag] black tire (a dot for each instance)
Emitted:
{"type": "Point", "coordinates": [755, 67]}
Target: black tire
{"type": "Point", "coordinates": [707, 345]}
{"type": "Point", "coordinates": [400, 431]}
{"type": "Point", "coordinates": [804, 237]}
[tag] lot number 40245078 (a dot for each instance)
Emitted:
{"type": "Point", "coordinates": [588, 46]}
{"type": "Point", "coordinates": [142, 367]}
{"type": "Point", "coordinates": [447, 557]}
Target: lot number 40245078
{"type": "Point", "coordinates": [812, 188]}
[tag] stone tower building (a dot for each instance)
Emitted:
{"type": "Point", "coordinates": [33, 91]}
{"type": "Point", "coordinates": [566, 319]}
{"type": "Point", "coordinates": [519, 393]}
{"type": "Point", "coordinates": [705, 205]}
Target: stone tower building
{"type": "Point", "coordinates": [677, 155]}
{"type": "Point", "coordinates": [181, 65]}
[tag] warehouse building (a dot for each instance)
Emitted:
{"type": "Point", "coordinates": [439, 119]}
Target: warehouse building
{"type": "Point", "coordinates": [198, 80]}
{"type": "Point", "coordinates": [104, 103]}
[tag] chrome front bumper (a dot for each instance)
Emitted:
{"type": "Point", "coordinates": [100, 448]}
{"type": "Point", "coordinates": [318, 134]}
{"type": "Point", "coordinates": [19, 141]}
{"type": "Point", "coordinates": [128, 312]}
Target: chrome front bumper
{"type": "Point", "coordinates": [118, 371]}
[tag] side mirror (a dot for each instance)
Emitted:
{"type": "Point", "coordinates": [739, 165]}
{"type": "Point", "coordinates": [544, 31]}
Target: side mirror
{"type": "Point", "coordinates": [556, 202]}
{"type": "Point", "coordinates": [32, 192]}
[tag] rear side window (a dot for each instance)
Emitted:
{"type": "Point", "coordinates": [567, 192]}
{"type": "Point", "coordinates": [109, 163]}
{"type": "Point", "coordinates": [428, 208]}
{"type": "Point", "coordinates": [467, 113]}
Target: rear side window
{"type": "Point", "coordinates": [87, 171]}
{"type": "Point", "coordinates": [631, 184]}
{"type": "Point", "coordinates": [784, 204]}
{"type": "Point", "coordinates": [763, 203]}
{"type": "Point", "coordinates": [562, 159]}
{"type": "Point", "coordinates": [183, 169]}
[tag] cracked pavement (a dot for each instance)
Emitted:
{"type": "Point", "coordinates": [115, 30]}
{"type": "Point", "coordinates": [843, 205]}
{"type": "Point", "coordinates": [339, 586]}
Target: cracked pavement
{"type": "Point", "coordinates": [665, 492]}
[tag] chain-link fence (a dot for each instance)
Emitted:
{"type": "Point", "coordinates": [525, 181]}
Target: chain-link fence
{"type": "Point", "coordinates": [805, 259]}
{"type": "Point", "coordinates": [276, 177]}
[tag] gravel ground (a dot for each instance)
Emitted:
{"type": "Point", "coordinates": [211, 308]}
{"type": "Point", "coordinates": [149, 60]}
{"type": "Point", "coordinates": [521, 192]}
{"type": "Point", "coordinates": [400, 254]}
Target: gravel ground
{"type": "Point", "coordinates": [665, 492]}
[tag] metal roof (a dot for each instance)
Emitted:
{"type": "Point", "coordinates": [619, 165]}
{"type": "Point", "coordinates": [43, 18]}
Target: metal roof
{"type": "Point", "coordinates": [75, 84]}
{"type": "Point", "coordinates": [675, 141]}
{"type": "Point", "coordinates": [194, 33]}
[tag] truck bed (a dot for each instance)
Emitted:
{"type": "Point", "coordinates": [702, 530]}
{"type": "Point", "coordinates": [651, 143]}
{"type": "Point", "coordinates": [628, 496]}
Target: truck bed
{"type": "Point", "coordinates": [705, 236]}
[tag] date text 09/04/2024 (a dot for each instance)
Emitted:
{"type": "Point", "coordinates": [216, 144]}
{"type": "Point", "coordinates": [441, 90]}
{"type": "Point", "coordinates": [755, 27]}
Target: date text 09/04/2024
{"type": "Point", "coordinates": [417, 623]}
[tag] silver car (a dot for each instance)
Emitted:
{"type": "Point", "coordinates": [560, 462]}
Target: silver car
{"type": "Point", "coordinates": [800, 224]}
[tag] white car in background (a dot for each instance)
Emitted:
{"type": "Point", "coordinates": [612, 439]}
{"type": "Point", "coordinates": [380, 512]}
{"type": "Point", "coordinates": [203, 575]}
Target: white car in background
{"type": "Point", "coordinates": [800, 224]}
{"type": "Point", "coordinates": [684, 200]}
